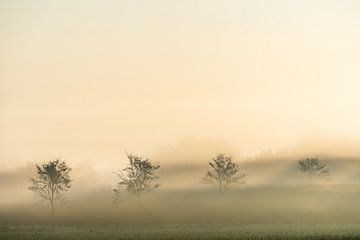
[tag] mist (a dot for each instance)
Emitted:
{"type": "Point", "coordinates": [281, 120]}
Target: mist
{"type": "Point", "coordinates": [266, 82]}
{"type": "Point", "coordinates": [275, 190]}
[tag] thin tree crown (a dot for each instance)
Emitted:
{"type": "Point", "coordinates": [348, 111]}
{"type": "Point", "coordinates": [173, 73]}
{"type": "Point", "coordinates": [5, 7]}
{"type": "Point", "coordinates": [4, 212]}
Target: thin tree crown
{"type": "Point", "coordinates": [52, 180]}
{"type": "Point", "coordinates": [223, 171]}
{"type": "Point", "coordinates": [139, 177]}
{"type": "Point", "coordinates": [313, 167]}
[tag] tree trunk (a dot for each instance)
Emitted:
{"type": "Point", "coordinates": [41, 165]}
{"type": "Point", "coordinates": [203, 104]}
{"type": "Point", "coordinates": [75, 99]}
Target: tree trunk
{"type": "Point", "coordinates": [52, 214]}
{"type": "Point", "coordinates": [139, 201]}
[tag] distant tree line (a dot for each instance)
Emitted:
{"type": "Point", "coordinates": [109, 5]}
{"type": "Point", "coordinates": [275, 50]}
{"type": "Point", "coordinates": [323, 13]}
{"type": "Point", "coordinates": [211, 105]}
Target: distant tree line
{"type": "Point", "coordinates": [52, 179]}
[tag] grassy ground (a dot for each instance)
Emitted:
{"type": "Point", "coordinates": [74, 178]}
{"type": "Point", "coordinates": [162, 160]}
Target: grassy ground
{"type": "Point", "coordinates": [283, 231]}
{"type": "Point", "coordinates": [286, 212]}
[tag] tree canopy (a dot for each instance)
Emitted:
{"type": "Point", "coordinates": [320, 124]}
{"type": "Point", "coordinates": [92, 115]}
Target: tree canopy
{"type": "Point", "coordinates": [313, 167]}
{"type": "Point", "coordinates": [139, 177]}
{"type": "Point", "coordinates": [223, 173]}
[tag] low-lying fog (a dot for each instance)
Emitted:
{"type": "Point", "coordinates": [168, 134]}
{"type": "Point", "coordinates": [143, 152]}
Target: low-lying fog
{"type": "Point", "coordinates": [275, 190]}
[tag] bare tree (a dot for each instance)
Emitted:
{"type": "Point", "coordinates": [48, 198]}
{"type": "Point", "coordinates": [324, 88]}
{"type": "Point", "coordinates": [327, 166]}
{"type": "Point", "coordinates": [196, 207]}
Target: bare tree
{"type": "Point", "coordinates": [313, 167]}
{"type": "Point", "coordinates": [51, 182]}
{"type": "Point", "coordinates": [139, 177]}
{"type": "Point", "coordinates": [224, 173]}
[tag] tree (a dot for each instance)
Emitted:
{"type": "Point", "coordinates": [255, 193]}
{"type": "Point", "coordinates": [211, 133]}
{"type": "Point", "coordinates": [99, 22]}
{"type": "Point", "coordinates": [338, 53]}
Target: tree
{"type": "Point", "coordinates": [117, 197]}
{"type": "Point", "coordinates": [139, 177]}
{"type": "Point", "coordinates": [223, 173]}
{"type": "Point", "coordinates": [51, 182]}
{"type": "Point", "coordinates": [313, 167]}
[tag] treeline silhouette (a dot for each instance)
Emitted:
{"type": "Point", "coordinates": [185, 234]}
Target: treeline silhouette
{"type": "Point", "coordinates": [52, 179]}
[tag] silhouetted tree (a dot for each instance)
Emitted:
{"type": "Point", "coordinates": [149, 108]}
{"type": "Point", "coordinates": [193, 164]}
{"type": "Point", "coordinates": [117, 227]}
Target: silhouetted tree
{"type": "Point", "coordinates": [313, 167]}
{"type": "Point", "coordinates": [223, 173]}
{"type": "Point", "coordinates": [51, 182]}
{"type": "Point", "coordinates": [139, 177]}
{"type": "Point", "coordinates": [117, 196]}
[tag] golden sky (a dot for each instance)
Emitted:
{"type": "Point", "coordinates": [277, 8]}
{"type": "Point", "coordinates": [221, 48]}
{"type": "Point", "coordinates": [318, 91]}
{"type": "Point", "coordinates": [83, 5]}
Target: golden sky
{"type": "Point", "coordinates": [91, 79]}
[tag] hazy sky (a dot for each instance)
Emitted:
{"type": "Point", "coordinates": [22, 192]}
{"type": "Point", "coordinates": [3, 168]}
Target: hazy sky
{"type": "Point", "coordinates": [90, 79]}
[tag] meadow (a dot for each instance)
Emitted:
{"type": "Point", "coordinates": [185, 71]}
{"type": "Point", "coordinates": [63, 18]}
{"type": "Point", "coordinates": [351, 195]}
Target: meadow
{"type": "Point", "coordinates": [162, 232]}
{"type": "Point", "coordinates": [282, 212]}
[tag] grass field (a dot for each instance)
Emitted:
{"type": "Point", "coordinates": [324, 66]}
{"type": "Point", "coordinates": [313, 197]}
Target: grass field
{"type": "Point", "coordinates": [158, 232]}
{"type": "Point", "coordinates": [303, 212]}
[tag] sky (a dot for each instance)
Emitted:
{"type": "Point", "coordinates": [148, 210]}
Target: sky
{"type": "Point", "coordinates": [88, 80]}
